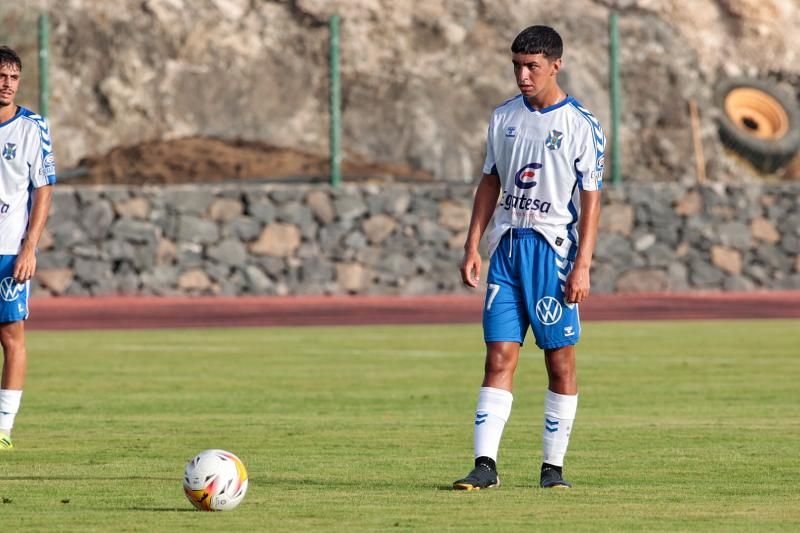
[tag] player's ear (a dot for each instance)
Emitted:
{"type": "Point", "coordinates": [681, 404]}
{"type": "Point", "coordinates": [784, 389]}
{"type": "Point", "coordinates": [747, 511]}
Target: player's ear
{"type": "Point", "coordinates": [556, 64]}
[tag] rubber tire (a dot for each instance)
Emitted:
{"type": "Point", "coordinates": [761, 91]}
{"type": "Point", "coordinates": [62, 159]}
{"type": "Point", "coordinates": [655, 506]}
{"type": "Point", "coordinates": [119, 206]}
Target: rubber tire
{"type": "Point", "coordinates": [775, 111]}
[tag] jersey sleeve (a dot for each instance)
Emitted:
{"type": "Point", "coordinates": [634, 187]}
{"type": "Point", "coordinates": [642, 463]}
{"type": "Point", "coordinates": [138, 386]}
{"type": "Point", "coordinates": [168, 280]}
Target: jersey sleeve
{"type": "Point", "coordinates": [490, 164]}
{"type": "Point", "coordinates": [41, 160]}
{"type": "Point", "coordinates": [590, 160]}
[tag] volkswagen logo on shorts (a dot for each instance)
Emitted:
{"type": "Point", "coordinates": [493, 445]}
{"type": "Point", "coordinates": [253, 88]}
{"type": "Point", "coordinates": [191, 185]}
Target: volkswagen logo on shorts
{"type": "Point", "coordinates": [548, 310]}
{"type": "Point", "coordinates": [524, 176]}
{"type": "Point", "coordinates": [10, 289]}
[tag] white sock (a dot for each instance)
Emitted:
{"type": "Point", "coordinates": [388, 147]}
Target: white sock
{"type": "Point", "coordinates": [9, 407]}
{"type": "Point", "coordinates": [559, 413]}
{"type": "Point", "coordinates": [491, 415]}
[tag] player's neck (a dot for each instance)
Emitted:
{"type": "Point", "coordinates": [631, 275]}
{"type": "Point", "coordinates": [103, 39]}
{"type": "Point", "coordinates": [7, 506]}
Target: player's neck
{"type": "Point", "coordinates": [7, 112]}
{"type": "Point", "coordinates": [548, 98]}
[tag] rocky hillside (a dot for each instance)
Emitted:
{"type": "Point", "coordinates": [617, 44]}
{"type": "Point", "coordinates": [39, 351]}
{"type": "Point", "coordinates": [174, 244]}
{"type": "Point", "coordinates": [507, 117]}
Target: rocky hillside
{"type": "Point", "coordinates": [420, 78]}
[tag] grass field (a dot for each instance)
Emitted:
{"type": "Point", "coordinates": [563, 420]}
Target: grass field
{"type": "Point", "coordinates": [682, 426]}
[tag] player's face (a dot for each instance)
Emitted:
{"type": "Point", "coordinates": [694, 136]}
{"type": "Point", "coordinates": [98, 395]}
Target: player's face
{"type": "Point", "coordinates": [9, 83]}
{"type": "Point", "coordinates": [535, 73]}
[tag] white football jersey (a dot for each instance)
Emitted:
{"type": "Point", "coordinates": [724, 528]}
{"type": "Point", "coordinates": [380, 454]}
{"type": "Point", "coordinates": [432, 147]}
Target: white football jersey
{"type": "Point", "coordinates": [542, 159]}
{"type": "Point", "coordinates": [26, 162]}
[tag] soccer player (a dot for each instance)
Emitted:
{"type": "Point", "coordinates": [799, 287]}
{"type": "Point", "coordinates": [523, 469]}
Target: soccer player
{"type": "Point", "coordinates": [27, 172]}
{"type": "Point", "coordinates": [544, 162]}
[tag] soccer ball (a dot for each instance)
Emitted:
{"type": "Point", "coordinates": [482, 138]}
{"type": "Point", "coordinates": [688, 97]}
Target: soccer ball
{"type": "Point", "coordinates": [215, 480]}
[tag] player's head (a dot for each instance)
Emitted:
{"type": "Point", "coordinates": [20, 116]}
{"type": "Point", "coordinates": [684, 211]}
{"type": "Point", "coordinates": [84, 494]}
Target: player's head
{"type": "Point", "coordinates": [10, 68]}
{"type": "Point", "coordinates": [536, 54]}
{"type": "Point", "coordinates": [542, 40]}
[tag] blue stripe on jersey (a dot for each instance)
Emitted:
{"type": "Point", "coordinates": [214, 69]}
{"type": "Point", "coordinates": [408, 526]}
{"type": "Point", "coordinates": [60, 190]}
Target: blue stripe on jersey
{"type": "Point", "coordinates": [47, 143]}
{"type": "Point", "coordinates": [599, 138]}
{"type": "Point", "coordinates": [573, 237]}
{"type": "Point", "coordinates": [30, 200]}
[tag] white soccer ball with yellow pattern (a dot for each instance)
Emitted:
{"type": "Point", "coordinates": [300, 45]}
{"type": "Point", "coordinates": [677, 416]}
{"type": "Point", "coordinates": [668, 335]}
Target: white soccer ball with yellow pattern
{"type": "Point", "coordinates": [215, 480]}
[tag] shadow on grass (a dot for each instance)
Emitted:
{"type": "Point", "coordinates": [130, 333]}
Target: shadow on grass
{"type": "Point", "coordinates": [84, 478]}
{"type": "Point", "coordinates": [164, 509]}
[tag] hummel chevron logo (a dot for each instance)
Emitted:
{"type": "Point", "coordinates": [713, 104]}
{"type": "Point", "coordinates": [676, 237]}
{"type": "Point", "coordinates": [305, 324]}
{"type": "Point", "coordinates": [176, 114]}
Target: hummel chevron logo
{"type": "Point", "coordinates": [47, 144]}
{"type": "Point", "coordinates": [598, 132]}
{"type": "Point", "coordinates": [550, 425]}
{"type": "Point", "coordinates": [480, 418]}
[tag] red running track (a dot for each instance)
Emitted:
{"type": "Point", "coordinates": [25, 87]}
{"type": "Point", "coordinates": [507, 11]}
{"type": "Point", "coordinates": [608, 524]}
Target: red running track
{"type": "Point", "coordinates": [183, 312]}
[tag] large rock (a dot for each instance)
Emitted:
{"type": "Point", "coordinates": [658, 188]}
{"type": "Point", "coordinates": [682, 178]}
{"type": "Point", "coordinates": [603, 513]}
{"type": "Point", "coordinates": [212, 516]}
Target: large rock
{"type": "Point", "coordinates": [225, 209]}
{"type": "Point", "coordinates": [138, 208]}
{"type": "Point", "coordinates": [321, 205]}
{"type": "Point", "coordinates": [194, 280]}
{"type": "Point", "coordinates": [352, 277]}
{"type": "Point", "coordinates": [56, 280]}
{"type": "Point", "coordinates": [690, 204]}
{"type": "Point", "coordinates": [454, 216]}
{"type": "Point", "coordinates": [616, 218]}
{"type": "Point", "coordinates": [378, 227]}
{"type": "Point", "coordinates": [763, 230]}
{"type": "Point", "coordinates": [726, 259]}
{"type": "Point", "coordinates": [644, 280]}
{"type": "Point", "coordinates": [277, 240]}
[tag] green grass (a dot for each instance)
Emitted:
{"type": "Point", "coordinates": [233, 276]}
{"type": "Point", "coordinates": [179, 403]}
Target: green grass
{"type": "Point", "coordinates": [682, 426]}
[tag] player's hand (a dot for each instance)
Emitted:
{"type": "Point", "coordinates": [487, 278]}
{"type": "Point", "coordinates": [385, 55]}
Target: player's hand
{"type": "Point", "coordinates": [576, 289]}
{"type": "Point", "coordinates": [25, 265]}
{"type": "Point", "coordinates": [471, 268]}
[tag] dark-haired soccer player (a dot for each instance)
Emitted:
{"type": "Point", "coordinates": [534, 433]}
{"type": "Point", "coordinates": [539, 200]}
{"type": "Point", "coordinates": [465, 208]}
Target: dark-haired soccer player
{"type": "Point", "coordinates": [27, 171]}
{"type": "Point", "coordinates": [544, 163]}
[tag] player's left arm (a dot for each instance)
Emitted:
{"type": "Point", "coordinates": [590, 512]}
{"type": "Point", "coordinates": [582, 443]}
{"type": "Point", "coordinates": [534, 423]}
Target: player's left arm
{"type": "Point", "coordinates": [576, 289]}
{"type": "Point", "coordinates": [25, 265]}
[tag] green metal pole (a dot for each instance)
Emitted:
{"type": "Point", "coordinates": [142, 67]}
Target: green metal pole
{"type": "Point", "coordinates": [336, 104]}
{"type": "Point", "coordinates": [44, 83]}
{"type": "Point", "coordinates": [613, 60]}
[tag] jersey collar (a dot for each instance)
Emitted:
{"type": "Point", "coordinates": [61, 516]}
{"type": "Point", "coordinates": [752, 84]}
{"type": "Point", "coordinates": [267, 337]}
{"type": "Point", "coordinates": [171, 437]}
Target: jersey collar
{"type": "Point", "coordinates": [12, 119]}
{"type": "Point", "coordinates": [544, 110]}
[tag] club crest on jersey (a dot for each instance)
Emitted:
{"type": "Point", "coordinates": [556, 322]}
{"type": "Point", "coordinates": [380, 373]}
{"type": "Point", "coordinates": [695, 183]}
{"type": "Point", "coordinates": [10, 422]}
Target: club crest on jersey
{"type": "Point", "coordinates": [554, 138]}
{"type": "Point", "coordinates": [524, 176]}
{"type": "Point", "coordinates": [9, 151]}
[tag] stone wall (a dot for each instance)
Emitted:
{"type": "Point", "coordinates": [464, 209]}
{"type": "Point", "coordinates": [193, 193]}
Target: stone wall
{"type": "Point", "coordinates": [239, 239]}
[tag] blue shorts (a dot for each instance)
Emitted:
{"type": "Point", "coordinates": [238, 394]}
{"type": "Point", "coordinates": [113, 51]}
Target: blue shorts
{"type": "Point", "coordinates": [13, 295]}
{"type": "Point", "coordinates": [526, 288]}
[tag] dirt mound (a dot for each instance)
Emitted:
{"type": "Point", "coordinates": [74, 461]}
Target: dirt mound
{"type": "Point", "coordinates": [205, 159]}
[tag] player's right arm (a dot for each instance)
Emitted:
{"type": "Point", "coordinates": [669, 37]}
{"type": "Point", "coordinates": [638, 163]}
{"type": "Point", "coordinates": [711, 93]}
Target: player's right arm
{"type": "Point", "coordinates": [482, 209]}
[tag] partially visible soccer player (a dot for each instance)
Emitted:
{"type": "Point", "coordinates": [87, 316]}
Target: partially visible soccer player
{"type": "Point", "coordinates": [27, 171]}
{"type": "Point", "coordinates": [544, 161]}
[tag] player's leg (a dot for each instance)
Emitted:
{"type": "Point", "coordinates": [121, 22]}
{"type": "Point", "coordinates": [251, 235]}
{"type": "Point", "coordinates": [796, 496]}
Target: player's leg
{"type": "Point", "coordinates": [560, 406]}
{"type": "Point", "coordinates": [556, 326]}
{"type": "Point", "coordinates": [12, 338]}
{"type": "Point", "coordinates": [504, 326]}
{"type": "Point", "coordinates": [491, 414]}
{"type": "Point", "coordinates": [13, 312]}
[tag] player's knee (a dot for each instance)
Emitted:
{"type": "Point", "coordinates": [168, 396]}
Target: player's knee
{"type": "Point", "coordinates": [11, 341]}
{"type": "Point", "coordinates": [500, 361]}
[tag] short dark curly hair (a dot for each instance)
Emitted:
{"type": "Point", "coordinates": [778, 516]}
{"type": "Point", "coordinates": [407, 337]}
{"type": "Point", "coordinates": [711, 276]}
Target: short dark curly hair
{"type": "Point", "coordinates": [10, 57]}
{"type": "Point", "coordinates": [539, 40]}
